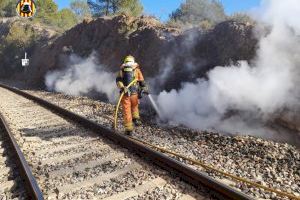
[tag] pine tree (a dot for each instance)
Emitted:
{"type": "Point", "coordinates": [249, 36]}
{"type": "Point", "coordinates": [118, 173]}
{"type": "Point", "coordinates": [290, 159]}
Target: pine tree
{"type": "Point", "coordinates": [195, 12]}
{"type": "Point", "coordinates": [131, 7]}
{"type": "Point", "coordinates": [81, 9]}
{"type": "Point", "coordinates": [100, 7]}
{"type": "Point", "coordinates": [66, 19]}
{"type": "Point", "coordinates": [109, 7]}
{"type": "Point", "coordinates": [47, 13]}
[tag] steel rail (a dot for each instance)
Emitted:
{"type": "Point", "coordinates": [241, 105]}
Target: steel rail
{"type": "Point", "coordinates": [194, 177]}
{"type": "Point", "coordinates": [31, 185]}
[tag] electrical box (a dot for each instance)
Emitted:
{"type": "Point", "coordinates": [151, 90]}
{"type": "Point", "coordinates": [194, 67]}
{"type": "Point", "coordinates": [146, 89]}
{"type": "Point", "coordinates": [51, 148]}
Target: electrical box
{"type": "Point", "coordinates": [25, 61]}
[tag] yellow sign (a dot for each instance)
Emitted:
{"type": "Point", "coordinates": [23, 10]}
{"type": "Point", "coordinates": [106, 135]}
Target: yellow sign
{"type": "Point", "coordinates": [26, 8]}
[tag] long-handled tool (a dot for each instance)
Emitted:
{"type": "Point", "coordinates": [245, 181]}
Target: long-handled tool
{"type": "Point", "coordinates": [154, 105]}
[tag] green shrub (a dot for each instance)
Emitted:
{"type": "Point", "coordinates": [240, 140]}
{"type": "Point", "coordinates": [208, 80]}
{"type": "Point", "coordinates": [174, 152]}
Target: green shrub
{"type": "Point", "coordinates": [242, 18]}
{"type": "Point", "coordinates": [197, 12]}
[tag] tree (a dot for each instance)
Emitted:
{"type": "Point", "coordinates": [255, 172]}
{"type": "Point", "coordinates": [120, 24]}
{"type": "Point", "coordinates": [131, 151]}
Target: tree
{"type": "Point", "coordinates": [196, 11]}
{"type": "Point", "coordinates": [46, 11]}
{"type": "Point", "coordinates": [100, 7]}
{"type": "Point", "coordinates": [7, 8]}
{"type": "Point", "coordinates": [108, 7]}
{"type": "Point", "coordinates": [242, 18]}
{"type": "Point", "coordinates": [81, 9]}
{"type": "Point", "coordinates": [66, 19]}
{"type": "Point", "coordinates": [131, 7]}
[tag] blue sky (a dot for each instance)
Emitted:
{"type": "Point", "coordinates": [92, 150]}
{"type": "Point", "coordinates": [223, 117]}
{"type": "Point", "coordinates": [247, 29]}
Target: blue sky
{"type": "Point", "coordinates": [162, 8]}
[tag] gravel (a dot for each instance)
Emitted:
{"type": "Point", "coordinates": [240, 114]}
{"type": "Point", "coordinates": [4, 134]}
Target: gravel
{"type": "Point", "coordinates": [61, 168]}
{"type": "Point", "coordinates": [120, 184]}
{"type": "Point", "coordinates": [269, 163]}
{"type": "Point", "coordinates": [7, 161]}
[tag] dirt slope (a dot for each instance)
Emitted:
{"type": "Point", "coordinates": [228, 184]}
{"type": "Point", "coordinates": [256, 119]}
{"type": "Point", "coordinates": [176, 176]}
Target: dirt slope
{"type": "Point", "coordinates": [152, 43]}
{"type": "Point", "coordinates": [189, 54]}
{"type": "Point", "coordinates": [17, 36]}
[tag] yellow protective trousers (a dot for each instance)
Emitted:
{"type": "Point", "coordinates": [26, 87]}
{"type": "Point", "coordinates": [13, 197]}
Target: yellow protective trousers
{"type": "Point", "coordinates": [130, 105]}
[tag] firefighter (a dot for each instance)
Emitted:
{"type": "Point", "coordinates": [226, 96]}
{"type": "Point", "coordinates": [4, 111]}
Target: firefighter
{"type": "Point", "coordinates": [129, 71]}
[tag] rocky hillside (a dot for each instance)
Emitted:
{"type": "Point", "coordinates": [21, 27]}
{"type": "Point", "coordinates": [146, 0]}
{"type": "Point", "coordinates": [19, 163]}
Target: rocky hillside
{"type": "Point", "coordinates": [183, 54]}
{"type": "Point", "coordinates": [155, 46]}
{"type": "Point", "coordinates": [18, 36]}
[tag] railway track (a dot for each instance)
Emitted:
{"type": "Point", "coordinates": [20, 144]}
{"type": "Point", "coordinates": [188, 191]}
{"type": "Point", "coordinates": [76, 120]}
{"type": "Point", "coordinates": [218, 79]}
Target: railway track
{"type": "Point", "coordinates": [71, 161]}
{"type": "Point", "coordinates": [12, 174]}
{"type": "Point", "coordinates": [9, 176]}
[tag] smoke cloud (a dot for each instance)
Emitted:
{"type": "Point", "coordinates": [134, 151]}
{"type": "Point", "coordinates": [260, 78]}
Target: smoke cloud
{"type": "Point", "coordinates": [83, 76]}
{"type": "Point", "coordinates": [257, 90]}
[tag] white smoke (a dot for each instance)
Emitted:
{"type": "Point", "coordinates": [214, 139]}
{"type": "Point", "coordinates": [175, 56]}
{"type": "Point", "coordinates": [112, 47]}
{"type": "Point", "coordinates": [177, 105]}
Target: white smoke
{"type": "Point", "coordinates": [167, 63]}
{"type": "Point", "coordinates": [81, 77]}
{"type": "Point", "coordinates": [268, 84]}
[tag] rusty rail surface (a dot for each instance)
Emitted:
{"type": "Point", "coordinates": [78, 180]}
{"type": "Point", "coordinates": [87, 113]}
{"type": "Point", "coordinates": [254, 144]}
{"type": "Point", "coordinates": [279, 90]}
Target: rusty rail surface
{"type": "Point", "coordinates": [192, 176]}
{"type": "Point", "coordinates": [30, 182]}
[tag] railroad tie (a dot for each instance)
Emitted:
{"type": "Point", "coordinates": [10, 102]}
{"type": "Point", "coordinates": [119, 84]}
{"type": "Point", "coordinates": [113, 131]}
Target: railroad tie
{"type": "Point", "coordinates": [189, 197]}
{"type": "Point", "coordinates": [83, 166]}
{"type": "Point", "coordinates": [3, 160]}
{"type": "Point", "coordinates": [4, 171]}
{"type": "Point", "coordinates": [97, 180]}
{"type": "Point", "coordinates": [141, 189]}
{"type": "Point", "coordinates": [51, 132]}
{"type": "Point", "coordinates": [64, 147]}
{"type": "Point", "coordinates": [63, 158]}
{"type": "Point", "coordinates": [7, 186]}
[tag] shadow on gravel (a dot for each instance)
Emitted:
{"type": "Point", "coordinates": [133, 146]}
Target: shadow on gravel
{"type": "Point", "coordinates": [52, 132]}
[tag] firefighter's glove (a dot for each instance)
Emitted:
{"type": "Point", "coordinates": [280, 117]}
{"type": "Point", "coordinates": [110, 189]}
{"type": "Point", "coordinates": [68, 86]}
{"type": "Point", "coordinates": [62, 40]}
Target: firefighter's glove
{"type": "Point", "coordinates": [143, 87]}
{"type": "Point", "coordinates": [145, 90]}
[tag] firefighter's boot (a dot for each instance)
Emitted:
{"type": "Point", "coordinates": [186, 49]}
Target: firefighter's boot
{"type": "Point", "coordinates": [128, 133]}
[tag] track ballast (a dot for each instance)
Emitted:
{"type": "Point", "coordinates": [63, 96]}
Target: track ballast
{"type": "Point", "coordinates": [73, 162]}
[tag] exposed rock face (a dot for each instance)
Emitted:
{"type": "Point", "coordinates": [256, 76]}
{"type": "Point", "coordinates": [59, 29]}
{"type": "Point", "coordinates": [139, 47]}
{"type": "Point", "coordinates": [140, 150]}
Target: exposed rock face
{"type": "Point", "coordinates": [184, 55]}
{"type": "Point", "coordinates": [154, 45]}
{"type": "Point", "coordinates": [196, 52]}
{"type": "Point", "coordinates": [17, 36]}
{"type": "Point", "coordinates": [110, 38]}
